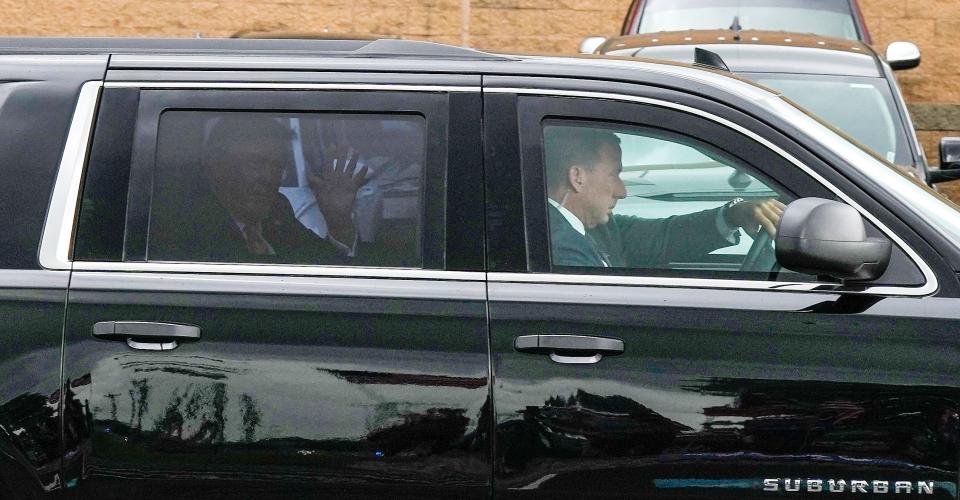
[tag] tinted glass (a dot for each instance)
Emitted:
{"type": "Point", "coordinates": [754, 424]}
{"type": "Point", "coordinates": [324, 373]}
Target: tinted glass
{"type": "Point", "coordinates": [824, 17]}
{"type": "Point", "coordinates": [103, 208]}
{"type": "Point", "coordinates": [318, 188]}
{"type": "Point", "coordinates": [860, 106]}
{"type": "Point", "coordinates": [639, 200]}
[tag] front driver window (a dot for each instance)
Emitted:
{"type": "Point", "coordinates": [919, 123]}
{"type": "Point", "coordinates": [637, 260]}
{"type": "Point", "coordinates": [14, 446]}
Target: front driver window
{"type": "Point", "coordinates": [644, 201]}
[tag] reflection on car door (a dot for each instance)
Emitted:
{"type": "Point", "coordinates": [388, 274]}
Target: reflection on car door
{"type": "Point", "coordinates": [720, 390]}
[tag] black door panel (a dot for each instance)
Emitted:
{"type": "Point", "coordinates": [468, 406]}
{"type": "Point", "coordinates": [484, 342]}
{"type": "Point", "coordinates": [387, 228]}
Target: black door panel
{"type": "Point", "coordinates": [723, 390]}
{"type": "Point", "coordinates": [39, 97]}
{"type": "Point", "coordinates": [31, 305]}
{"type": "Point", "coordinates": [334, 378]}
{"type": "Point", "coordinates": [730, 385]}
{"type": "Point", "coordinates": [280, 395]}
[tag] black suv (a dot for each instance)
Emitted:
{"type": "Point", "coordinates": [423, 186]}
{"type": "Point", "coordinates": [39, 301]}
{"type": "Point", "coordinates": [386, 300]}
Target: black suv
{"type": "Point", "coordinates": [293, 269]}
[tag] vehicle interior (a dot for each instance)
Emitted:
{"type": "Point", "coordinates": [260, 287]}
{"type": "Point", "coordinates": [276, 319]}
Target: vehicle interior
{"type": "Point", "coordinates": [388, 205]}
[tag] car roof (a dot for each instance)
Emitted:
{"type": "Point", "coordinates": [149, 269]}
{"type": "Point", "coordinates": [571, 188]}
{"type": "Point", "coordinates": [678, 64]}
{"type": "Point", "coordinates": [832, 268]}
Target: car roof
{"type": "Point", "coordinates": [385, 55]}
{"type": "Point", "coordinates": [754, 51]}
{"type": "Point", "coordinates": [270, 60]}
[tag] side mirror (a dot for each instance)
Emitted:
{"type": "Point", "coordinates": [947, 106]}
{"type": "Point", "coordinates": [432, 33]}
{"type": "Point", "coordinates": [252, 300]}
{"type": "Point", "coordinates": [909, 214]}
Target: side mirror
{"type": "Point", "coordinates": [950, 153]}
{"type": "Point", "coordinates": [825, 237]}
{"type": "Point", "coordinates": [903, 55]}
{"type": "Point", "coordinates": [590, 44]}
{"type": "Point", "coordinates": [949, 161]}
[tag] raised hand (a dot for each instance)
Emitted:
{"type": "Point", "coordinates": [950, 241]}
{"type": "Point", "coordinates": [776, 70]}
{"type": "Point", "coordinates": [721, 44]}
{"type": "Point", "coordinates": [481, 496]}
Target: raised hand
{"type": "Point", "coordinates": [336, 189]}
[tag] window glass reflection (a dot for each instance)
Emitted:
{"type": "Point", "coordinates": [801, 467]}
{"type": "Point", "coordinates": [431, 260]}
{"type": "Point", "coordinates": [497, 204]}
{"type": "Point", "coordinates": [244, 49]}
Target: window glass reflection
{"type": "Point", "coordinates": [327, 189]}
{"type": "Point", "coordinates": [644, 199]}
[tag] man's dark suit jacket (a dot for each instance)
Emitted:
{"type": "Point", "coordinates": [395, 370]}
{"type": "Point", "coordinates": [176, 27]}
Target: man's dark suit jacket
{"type": "Point", "coordinates": [204, 231]}
{"type": "Point", "coordinates": [567, 246]}
{"type": "Point", "coordinates": [628, 241]}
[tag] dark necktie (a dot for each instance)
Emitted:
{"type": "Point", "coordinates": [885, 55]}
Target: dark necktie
{"type": "Point", "coordinates": [604, 256]}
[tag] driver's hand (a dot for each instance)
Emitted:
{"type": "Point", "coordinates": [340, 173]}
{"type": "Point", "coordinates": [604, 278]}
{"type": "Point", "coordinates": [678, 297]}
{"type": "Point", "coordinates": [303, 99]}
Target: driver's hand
{"type": "Point", "coordinates": [753, 215]}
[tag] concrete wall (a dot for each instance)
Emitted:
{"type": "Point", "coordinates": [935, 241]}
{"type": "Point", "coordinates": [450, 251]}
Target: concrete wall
{"type": "Point", "coordinates": [503, 25]}
{"type": "Point", "coordinates": [933, 89]}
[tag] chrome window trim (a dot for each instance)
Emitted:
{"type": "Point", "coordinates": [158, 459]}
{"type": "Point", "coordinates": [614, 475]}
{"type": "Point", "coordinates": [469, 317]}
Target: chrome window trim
{"type": "Point", "coordinates": [62, 211]}
{"type": "Point", "coordinates": [594, 293]}
{"type": "Point", "coordinates": [183, 281]}
{"type": "Point", "coordinates": [33, 279]}
{"type": "Point", "coordinates": [61, 216]}
{"type": "Point", "coordinates": [291, 86]}
{"type": "Point", "coordinates": [275, 269]}
{"type": "Point", "coordinates": [305, 61]}
{"type": "Point", "coordinates": [930, 286]}
{"type": "Point", "coordinates": [652, 281]}
{"type": "Point", "coordinates": [52, 59]}
{"type": "Point", "coordinates": [58, 229]}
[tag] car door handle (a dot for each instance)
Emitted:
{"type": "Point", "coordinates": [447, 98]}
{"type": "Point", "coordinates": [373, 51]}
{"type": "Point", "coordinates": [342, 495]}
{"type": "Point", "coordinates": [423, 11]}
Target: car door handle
{"type": "Point", "coordinates": [146, 335]}
{"type": "Point", "coordinates": [569, 349]}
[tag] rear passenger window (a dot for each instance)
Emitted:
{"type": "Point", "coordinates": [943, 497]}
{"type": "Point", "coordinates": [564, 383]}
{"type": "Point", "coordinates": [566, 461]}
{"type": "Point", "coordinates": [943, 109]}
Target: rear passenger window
{"type": "Point", "coordinates": [304, 188]}
{"type": "Point", "coordinates": [267, 177]}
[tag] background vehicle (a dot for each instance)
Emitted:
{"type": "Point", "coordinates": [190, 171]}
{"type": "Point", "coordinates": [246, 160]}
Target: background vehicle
{"type": "Point", "coordinates": [830, 18]}
{"type": "Point", "coordinates": [833, 18]}
{"type": "Point", "coordinates": [665, 178]}
{"type": "Point", "coordinates": [844, 82]}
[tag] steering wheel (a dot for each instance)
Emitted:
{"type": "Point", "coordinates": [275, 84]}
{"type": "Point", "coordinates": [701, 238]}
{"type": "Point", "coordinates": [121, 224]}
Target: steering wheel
{"type": "Point", "coordinates": [761, 256]}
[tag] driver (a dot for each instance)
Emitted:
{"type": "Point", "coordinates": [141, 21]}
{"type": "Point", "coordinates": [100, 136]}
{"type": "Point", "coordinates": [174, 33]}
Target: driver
{"type": "Point", "coordinates": [583, 168]}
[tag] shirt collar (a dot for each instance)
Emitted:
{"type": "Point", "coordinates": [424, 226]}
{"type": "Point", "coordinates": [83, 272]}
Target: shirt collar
{"type": "Point", "coordinates": [572, 219]}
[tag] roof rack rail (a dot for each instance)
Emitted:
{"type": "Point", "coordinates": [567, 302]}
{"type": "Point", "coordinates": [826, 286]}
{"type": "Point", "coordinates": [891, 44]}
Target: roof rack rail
{"type": "Point", "coordinates": [351, 45]}
{"type": "Point", "coordinates": [415, 48]}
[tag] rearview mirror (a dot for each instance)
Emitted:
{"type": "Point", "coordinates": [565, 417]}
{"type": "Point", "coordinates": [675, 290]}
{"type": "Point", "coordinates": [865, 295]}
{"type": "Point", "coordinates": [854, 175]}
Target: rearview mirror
{"type": "Point", "coordinates": [825, 237]}
{"type": "Point", "coordinates": [950, 153]}
{"type": "Point", "coordinates": [590, 44]}
{"type": "Point", "coordinates": [949, 161]}
{"type": "Point", "coordinates": [903, 55]}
